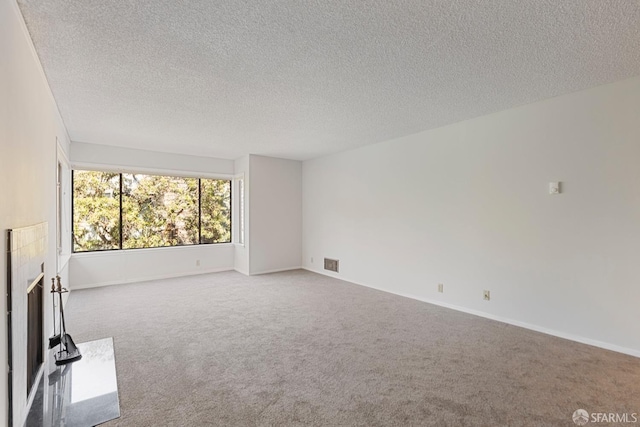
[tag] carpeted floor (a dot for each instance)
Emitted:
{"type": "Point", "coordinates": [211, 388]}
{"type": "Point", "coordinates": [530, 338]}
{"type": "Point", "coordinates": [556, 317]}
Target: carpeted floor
{"type": "Point", "coordinates": [298, 348]}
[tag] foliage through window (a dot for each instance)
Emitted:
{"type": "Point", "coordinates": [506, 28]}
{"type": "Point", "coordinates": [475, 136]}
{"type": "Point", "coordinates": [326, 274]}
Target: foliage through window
{"type": "Point", "coordinates": [133, 211]}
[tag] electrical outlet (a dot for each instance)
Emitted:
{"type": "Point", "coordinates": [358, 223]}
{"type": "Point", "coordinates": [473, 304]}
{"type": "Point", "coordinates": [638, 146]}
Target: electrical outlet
{"type": "Point", "coordinates": [440, 287]}
{"type": "Point", "coordinates": [311, 260]}
{"type": "Point", "coordinates": [487, 295]}
{"type": "Point", "coordinates": [197, 263]}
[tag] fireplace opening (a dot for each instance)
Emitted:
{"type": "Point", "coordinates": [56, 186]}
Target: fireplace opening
{"type": "Point", "coordinates": [35, 338]}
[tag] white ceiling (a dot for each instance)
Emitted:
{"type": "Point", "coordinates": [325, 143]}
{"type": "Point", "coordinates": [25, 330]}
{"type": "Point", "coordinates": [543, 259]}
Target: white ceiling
{"type": "Point", "coordinates": [301, 79]}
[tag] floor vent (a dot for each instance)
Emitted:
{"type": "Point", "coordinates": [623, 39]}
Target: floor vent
{"type": "Point", "coordinates": [331, 264]}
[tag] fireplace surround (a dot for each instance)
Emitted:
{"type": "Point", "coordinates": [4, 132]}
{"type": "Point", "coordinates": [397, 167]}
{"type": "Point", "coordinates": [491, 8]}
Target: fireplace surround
{"type": "Point", "coordinates": [27, 251]}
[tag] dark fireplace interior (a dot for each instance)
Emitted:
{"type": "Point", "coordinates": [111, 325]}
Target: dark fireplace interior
{"type": "Point", "coordinates": [35, 353]}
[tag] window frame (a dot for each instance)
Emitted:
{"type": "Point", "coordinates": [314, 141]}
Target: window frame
{"type": "Point", "coordinates": [64, 199]}
{"type": "Point", "coordinates": [174, 174]}
{"type": "Point", "coordinates": [241, 209]}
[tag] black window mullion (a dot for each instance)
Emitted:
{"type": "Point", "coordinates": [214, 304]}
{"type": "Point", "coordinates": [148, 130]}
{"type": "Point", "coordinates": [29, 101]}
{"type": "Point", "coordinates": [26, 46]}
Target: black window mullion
{"type": "Point", "coordinates": [199, 211]}
{"type": "Point", "coordinates": [121, 219]}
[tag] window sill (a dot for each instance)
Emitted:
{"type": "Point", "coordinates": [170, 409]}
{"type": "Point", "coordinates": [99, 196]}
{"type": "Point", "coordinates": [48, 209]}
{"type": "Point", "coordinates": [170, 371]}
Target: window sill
{"type": "Point", "coordinates": [115, 252]}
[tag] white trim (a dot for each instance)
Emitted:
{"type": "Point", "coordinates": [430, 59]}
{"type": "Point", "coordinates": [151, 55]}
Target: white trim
{"type": "Point", "coordinates": [149, 278]}
{"type": "Point", "coordinates": [238, 220]}
{"type": "Point", "coordinates": [62, 160]}
{"type": "Point", "coordinates": [35, 282]}
{"type": "Point", "coordinates": [525, 325]}
{"type": "Point", "coordinates": [117, 252]}
{"type": "Point", "coordinates": [150, 171]}
{"type": "Point", "coordinates": [277, 270]}
{"type": "Point", "coordinates": [62, 156]}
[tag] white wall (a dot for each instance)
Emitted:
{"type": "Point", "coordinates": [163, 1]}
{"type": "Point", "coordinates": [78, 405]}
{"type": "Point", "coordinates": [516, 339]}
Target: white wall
{"type": "Point", "coordinates": [275, 214]}
{"type": "Point", "coordinates": [104, 156]}
{"type": "Point", "coordinates": [134, 265]}
{"type": "Point", "coordinates": [467, 205]}
{"type": "Point", "coordinates": [114, 267]}
{"type": "Point", "coordinates": [29, 126]}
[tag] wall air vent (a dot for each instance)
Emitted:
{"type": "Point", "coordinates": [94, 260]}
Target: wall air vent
{"type": "Point", "coordinates": [331, 264]}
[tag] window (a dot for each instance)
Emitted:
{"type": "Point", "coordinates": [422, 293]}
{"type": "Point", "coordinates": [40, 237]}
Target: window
{"type": "Point", "coordinates": [241, 211]}
{"type": "Point", "coordinates": [135, 211]}
{"type": "Point", "coordinates": [215, 206]}
{"type": "Point", "coordinates": [59, 202]}
{"type": "Point", "coordinates": [96, 211]}
{"type": "Point", "coordinates": [63, 213]}
{"type": "Point", "coordinates": [159, 211]}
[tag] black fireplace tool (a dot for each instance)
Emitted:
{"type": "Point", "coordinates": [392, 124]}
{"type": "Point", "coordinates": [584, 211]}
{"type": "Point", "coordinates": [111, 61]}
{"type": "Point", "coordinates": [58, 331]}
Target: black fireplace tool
{"type": "Point", "coordinates": [69, 352]}
{"type": "Point", "coordinates": [54, 340]}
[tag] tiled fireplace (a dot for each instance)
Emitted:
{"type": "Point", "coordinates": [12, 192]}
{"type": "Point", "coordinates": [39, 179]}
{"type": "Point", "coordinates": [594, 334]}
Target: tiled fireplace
{"type": "Point", "coordinates": [25, 294]}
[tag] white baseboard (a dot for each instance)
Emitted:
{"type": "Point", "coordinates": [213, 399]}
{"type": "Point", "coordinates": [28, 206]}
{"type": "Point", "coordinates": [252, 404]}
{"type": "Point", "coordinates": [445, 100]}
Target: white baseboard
{"type": "Point", "coordinates": [278, 270]}
{"type": "Point", "coordinates": [148, 278]}
{"type": "Point", "coordinates": [547, 331]}
{"type": "Point", "coordinates": [246, 273]}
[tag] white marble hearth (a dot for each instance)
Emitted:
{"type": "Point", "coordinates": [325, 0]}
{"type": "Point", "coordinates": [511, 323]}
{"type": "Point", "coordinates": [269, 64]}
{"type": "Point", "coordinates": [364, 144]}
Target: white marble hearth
{"type": "Point", "coordinates": [80, 394]}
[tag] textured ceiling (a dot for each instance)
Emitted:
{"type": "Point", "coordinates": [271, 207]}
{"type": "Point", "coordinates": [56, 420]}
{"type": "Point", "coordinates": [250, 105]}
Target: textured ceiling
{"type": "Point", "coordinates": [300, 79]}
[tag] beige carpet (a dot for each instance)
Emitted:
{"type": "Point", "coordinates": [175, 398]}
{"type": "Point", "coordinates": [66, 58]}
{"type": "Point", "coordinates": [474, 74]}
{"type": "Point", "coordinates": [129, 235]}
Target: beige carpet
{"type": "Point", "coordinates": [299, 348]}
